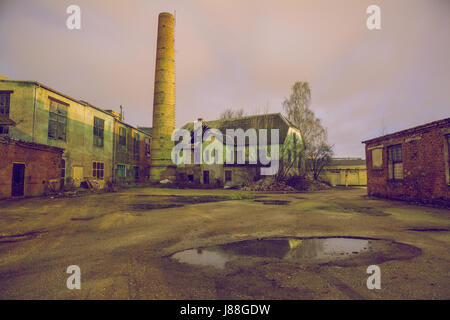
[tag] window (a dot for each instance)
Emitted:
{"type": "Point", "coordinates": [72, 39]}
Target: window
{"type": "Point", "coordinates": [228, 175]}
{"type": "Point", "coordinates": [147, 147]}
{"type": "Point", "coordinates": [448, 155]}
{"type": "Point", "coordinates": [136, 172]}
{"type": "Point", "coordinates": [395, 162]}
{"type": "Point", "coordinates": [377, 158]}
{"type": "Point", "coordinates": [99, 128]}
{"type": "Point", "coordinates": [123, 136]}
{"type": "Point", "coordinates": [136, 145]}
{"type": "Point", "coordinates": [4, 108]}
{"type": "Point", "coordinates": [97, 170]}
{"type": "Point", "coordinates": [121, 170]}
{"type": "Point", "coordinates": [57, 120]}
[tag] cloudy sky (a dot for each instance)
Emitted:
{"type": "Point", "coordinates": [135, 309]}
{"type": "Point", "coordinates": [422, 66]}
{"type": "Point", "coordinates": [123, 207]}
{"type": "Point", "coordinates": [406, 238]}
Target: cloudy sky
{"type": "Point", "coordinates": [243, 54]}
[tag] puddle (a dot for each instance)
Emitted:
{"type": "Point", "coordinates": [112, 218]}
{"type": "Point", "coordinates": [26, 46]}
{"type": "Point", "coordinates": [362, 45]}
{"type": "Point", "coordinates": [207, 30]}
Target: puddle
{"type": "Point", "coordinates": [430, 229]}
{"type": "Point", "coordinates": [306, 250]}
{"type": "Point", "coordinates": [173, 201]}
{"type": "Point", "coordinates": [274, 202]}
{"type": "Point", "coordinates": [21, 236]}
{"type": "Point", "coordinates": [82, 218]}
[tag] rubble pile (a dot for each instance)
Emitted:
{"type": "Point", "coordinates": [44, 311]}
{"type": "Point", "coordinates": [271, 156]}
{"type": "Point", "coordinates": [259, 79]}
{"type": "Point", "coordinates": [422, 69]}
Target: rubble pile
{"type": "Point", "coordinates": [267, 184]}
{"type": "Point", "coordinates": [290, 185]}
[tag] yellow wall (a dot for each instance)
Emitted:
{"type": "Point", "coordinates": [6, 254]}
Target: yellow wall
{"type": "Point", "coordinates": [336, 175]}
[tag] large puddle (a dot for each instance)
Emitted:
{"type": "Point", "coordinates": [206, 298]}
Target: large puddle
{"type": "Point", "coordinates": [316, 250]}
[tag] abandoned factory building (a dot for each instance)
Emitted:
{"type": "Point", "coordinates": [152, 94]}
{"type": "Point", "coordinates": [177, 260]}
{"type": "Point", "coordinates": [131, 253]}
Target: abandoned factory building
{"type": "Point", "coordinates": [290, 142]}
{"type": "Point", "coordinates": [412, 164]}
{"type": "Point", "coordinates": [97, 143]}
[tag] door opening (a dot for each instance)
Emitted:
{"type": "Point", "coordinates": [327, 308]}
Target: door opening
{"type": "Point", "coordinates": [18, 180]}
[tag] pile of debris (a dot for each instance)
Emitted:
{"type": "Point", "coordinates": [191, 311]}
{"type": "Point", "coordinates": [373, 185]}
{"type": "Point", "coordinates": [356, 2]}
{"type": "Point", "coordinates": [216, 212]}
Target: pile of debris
{"type": "Point", "coordinates": [292, 184]}
{"type": "Point", "coordinates": [267, 184]}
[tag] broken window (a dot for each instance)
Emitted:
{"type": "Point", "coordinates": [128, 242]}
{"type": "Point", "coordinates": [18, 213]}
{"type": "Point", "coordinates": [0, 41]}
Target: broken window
{"type": "Point", "coordinates": [136, 172]}
{"type": "Point", "coordinates": [147, 147]}
{"type": "Point", "coordinates": [98, 170]}
{"type": "Point", "coordinates": [57, 120]}
{"type": "Point", "coordinates": [395, 162]}
{"type": "Point", "coordinates": [99, 128]}
{"type": "Point", "coordinates": [4, 108]}
{"type": "Point", "coordinates": [136, 145]}
{"type": "Point", "coordinates": [123, 136]}
{"type": "Point", "coordinates": [377, 158]}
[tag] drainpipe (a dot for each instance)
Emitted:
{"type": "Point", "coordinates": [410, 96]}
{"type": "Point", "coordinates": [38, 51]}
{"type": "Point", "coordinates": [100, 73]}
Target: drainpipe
{"type": "Point", "coordinates": [34, 110]}
{"type": "Point", "coordinates": [114, 151]}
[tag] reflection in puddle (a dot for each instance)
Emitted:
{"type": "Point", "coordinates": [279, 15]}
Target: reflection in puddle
{"type": "Point", "coordinates": [311, 249]}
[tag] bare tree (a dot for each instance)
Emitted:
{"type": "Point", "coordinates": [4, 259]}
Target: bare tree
{"type": "Point", "coordinates": [231, 114]}
{"type": "Point", "coordinates": [315, 136]}
{"type": "Point", "coordinates": [320, 156]}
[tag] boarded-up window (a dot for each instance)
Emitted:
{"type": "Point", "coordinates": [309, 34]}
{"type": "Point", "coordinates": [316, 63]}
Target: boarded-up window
{"type": "Point", "coordinates": [57, 121]}
{"type": "Point", "coordinates": [99, 128]}
{"type": "Point", "coordinates": [377, 158]}
{"type": "Point", "coordinates": [395, 162]}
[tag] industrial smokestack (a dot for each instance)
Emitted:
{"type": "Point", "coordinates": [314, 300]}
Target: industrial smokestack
{"type": "Point", "coordinates": [163, 101]}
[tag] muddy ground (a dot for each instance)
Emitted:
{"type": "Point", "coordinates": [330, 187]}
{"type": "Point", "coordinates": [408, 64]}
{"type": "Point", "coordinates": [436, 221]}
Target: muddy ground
{"type": "Point", "coordinates": [122, 243]}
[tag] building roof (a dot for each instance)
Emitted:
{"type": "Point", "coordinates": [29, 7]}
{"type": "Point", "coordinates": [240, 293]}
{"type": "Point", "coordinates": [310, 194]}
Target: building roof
{"type": "Point", "coordinates": [6, 121]}
{"type": "Point", "coordinates": [30, 145]}
{"type": "Point", "coordinates": [262, 121]}
{"type": "Point", "coordinates": [147, 130]}
{"type": "Point", "coordinates": [347, 162]}
{"type": "Point", "coordinates": [415, 130]}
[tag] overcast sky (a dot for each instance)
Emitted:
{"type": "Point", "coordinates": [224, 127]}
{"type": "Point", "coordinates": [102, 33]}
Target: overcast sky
{"type": "Point", "coordinates": [243, 54]}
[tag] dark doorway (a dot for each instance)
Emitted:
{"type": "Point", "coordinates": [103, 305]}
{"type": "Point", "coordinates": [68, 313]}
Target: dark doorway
{"type": "Point", "coordinates": [206, 177]}
{"type": "Point", "coordinates": [18, 180]}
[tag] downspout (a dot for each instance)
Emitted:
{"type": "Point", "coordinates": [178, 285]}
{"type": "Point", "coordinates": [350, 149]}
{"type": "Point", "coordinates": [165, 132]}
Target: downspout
{"type": "Point", "coordinates": [114, 151]}
{"type": "Point", "coordinates": [34, 110]}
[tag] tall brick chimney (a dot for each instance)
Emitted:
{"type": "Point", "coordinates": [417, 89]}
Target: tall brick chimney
{"type": "Point", "coordinates": [163, 101]}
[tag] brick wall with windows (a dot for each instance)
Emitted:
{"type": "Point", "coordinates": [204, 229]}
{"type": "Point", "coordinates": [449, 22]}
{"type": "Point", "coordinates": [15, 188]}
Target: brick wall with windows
{"type": "Point", "coordinates": [411, 164]}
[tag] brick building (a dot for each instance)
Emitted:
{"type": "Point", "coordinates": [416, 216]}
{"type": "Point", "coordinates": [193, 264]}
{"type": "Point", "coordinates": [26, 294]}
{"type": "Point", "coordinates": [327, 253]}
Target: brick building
{"type": "Point", "coordinates": [97, 143]}
{"type": "Point", "coordinates": [412, 164]}
{"type": "Point", "coordinates": [28, 169]}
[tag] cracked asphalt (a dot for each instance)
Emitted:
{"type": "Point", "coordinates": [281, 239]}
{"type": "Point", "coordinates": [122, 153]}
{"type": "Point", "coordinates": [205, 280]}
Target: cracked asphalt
{"type": "Point", "coordinates": [122, 243]}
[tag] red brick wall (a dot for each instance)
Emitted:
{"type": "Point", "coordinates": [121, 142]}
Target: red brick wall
{"type": "Point", "coordinates": [424, 168]}
{"type": "Point", "coordinates": [41, 165]}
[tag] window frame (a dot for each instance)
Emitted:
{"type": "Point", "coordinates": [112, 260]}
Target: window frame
{"type": "Point", "coordinates": [57, 120]}
{"type": "Point", "coordinates": [123, 137]}
{"type": "Point", "coordinates": [99, 132]}
{"type": "Point", "coordinates": [230, 172]}
{"type": "Point", "coordinates": [393, 162]}
{"type": "Point", "coordinates": [98, 170]}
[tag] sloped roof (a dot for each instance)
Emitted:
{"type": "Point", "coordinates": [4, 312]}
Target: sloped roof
{"type": "Point", "coordinates": [263, 121]}
{"type": "Point", "coordinates": [347, 162]}
{"type": "Point", "coordinates": [415, 130]}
